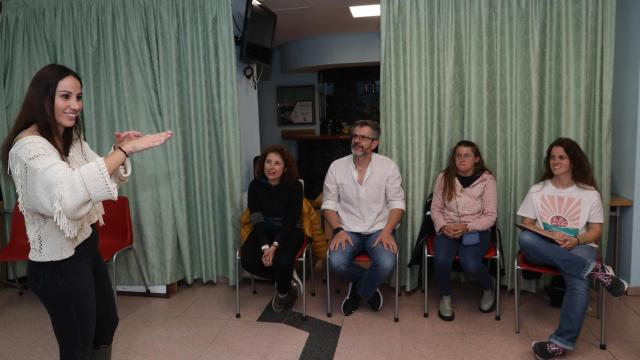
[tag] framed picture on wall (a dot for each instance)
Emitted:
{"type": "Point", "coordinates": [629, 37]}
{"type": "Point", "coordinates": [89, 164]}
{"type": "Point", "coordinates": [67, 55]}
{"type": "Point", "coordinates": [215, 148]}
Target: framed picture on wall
{"type": "Point", "coordinates": [296, 105]}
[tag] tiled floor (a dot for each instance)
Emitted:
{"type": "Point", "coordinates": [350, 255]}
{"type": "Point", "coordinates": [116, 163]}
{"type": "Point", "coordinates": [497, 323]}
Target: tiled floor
{"type": "Point", "coordinates": [199, 323]}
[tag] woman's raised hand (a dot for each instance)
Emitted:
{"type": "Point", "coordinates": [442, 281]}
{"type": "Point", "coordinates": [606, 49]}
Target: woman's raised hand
{"type": "Point", "coordinates": [134, 141]}
{"type": "Point", "coordinates": [120, 137]}
{"type": "Point", "coordinates": [131, 142]}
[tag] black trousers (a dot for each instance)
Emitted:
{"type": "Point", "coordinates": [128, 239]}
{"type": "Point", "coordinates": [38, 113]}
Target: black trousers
{"type": "Point", "coordinates": [281, 269]}
{"type": "Point", "coordinates": [78, 296]}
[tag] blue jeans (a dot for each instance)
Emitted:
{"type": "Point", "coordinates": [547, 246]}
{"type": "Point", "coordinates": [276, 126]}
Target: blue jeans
{"type": "Point", "coordinates": [445, 250]}
{"type": "Point", "coordinates": [574, 265]}
{"type": "Point", "coordinates": [368, 280]}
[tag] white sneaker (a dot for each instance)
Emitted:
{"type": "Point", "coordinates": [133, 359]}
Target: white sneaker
{"type": "Point", "coordinates": [445, 310]}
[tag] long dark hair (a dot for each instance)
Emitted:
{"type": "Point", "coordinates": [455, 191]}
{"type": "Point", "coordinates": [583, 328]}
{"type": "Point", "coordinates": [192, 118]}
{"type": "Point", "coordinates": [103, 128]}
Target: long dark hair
{"type": "Point", "coordinates": [290, 176]}
{"type": "Point", "coordinates": [38, 108]}
{"type": "Point", "coordinates": [581, 171]}
{"type": "Point", "coordinates": [451, 171]}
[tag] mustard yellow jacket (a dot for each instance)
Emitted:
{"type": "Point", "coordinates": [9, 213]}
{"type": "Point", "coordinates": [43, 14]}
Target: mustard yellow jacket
{"type": "Point", "coordinates": [310, 225]}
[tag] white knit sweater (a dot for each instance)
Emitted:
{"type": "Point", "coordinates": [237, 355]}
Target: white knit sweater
{"type": "Point", "coordinates": [60, 199]}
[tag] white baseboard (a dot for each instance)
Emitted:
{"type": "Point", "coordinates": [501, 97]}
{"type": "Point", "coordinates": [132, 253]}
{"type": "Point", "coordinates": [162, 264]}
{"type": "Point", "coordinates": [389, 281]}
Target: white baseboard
{"type": "Point", "coordinates": [155, 289]}
{"type": "Point", "coordinates": [633, 291]}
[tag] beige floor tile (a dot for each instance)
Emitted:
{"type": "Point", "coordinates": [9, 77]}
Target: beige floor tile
{"type": "Point", "coordinates": [588, 349]}
{"type": "Point", "coordinates": [433, 345]}
{"type": "Point", "coordinates": [475, 322]}
{"type": "Point", "coordinates": [633, 302]}
{"type": "Point", "coordinates": [492, 346]}
{"type": "Point", "coordinates": [199, 323]}
{"type": "Point", "coordinates": [622, 323]}
{"type": "Point", "coordinates": [624, 350]}
{"type": "Point", "coordinates": [177, 304]}
{"type": "Point", "coordinates": [142, 337]}
{"type": "Point", "coordinates": [16, 342]}
{"type": "Point", "coordinates": [219, 302]}
{"type": "Point", "coordinates": [255, 340]}
{"type": "Point", "coordinates": [22, 312]}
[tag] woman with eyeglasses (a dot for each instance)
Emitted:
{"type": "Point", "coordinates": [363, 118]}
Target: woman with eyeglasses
{"type": "Point", "coordinates": [463, 210]}
{"type": "Point", "coordinates": [566, 207]}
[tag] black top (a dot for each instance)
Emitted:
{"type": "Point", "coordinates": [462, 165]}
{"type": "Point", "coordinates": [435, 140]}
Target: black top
{"type": "Point", "coordinates": [275, 210]}
{"type": "Point", "coordinates": [466, 181]}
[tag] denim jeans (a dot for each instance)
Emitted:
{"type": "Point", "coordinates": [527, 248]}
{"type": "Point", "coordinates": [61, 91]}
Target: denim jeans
{"type": "Point", "coordinates": [368, 280]}
{"type": "Point", "coordinates": [574, 265]}
{"type": "Point", "coordinates": [445, 250]}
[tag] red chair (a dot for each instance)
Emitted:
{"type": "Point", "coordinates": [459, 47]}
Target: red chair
{"type": "Point", "coordinates": [116, 235]}
{"type": "Point", "coordinates": [301, 257]}
{"type": "Point", "coordinates": [521, 263]}
{"type": "Point", "coordinates": [363, 258]}
{"type": "Point", "coordinates": [493, 253]}
{"type": "Point", "coordinates": [18, 247]}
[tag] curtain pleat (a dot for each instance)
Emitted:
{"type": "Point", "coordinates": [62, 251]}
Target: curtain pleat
{"type": "Point", "coordinates": [509, 75]}
{"type": "Point", "coordinates": [148, 65]}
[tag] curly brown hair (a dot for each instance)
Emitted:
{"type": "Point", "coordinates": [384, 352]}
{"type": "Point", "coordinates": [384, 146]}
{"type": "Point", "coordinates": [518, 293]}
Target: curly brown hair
{"type": "Point", "coordinates": [581, 171]}
{"type": "Point", "coordinates": [290, 175]}
{"type": "Point", "coordinates": [451, 171]}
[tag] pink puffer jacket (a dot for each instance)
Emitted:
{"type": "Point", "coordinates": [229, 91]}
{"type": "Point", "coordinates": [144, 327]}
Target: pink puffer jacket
{"type": "Point", "coordinates": [475, 205]}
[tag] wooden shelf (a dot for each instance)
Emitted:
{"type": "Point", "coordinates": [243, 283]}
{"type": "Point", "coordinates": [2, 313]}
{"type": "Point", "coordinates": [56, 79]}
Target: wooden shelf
{"type": "Point", "coordinates": [313, 137]}
{"type": "Point", "coordinates": [617, 200]}
{"type": "Point", "coordinates": [315, 155]}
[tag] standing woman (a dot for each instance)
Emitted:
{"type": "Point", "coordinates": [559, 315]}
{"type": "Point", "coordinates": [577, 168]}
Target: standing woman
{"type": "Point", "coordinates": [463, 210]}
{"type": "Point", "coordinates": [566, 206]}
{"type": "Point", "coordinates": [60, 184]}
{"type": "Point", "coordinates": [275, 206]}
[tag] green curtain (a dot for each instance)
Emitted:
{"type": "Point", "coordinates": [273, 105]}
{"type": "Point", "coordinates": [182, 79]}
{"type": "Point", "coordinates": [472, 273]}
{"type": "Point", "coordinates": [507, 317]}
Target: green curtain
{"type": "Point", "coordinates": [509, 75]}
{"type": "Point", "coordinates": [148, 65]}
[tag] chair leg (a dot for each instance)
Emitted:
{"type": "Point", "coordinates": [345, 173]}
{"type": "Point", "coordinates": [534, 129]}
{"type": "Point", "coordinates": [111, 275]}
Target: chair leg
{"type": "Point", "coordinates": [328, 276]}
{"type": "Point", "coordinates": [396, 318]}
{"type": "Point", "coordinates": [238, 286]}
{"type": "Point", "coordinates": [115, 284]}
{"type": "Point", "coordinates": [426, 285]}
{"type": "Point", "coordinates": [144, 277]}
{"type": "Point", "coordinates": [312, 266]}
{"type": "Point", "coordinates": [603, 344]}
{"type": "Point", "coordinates": [497, 287]}
{"type": "Point", "coordinates": [424, 263]}
{"type": "Point", "coordinates": [516, 292]}
{"type": "Point", "coordinates": [324, 273]}
{"type": "Point", "coordinates": [304, 283]}
{"type": "Point", "coordinates": [14, 269]}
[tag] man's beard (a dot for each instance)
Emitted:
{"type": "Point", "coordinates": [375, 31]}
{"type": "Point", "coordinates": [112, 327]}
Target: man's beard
{"type": "Point", "coordinates": [357, 151]}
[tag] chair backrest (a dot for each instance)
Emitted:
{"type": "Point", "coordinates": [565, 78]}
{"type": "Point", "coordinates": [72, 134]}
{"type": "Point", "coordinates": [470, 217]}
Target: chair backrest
{"type": "Point", "coordinates": [18, 247]}
{"type": "Point", "coordinates": [117, 232]}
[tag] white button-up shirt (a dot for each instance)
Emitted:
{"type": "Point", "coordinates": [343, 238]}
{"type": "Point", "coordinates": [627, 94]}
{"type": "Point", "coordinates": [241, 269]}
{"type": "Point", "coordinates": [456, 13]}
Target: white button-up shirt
{"type": "Point", "coordinates": [363, 208]}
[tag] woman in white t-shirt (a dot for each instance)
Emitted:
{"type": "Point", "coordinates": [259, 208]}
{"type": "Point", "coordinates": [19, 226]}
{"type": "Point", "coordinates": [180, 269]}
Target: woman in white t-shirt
{"type": "Point", "coordinates": [566, 206]}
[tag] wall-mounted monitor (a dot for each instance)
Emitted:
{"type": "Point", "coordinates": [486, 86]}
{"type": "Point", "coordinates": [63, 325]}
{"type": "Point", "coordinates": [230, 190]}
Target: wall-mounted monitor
{"type": "Point", "coordinates": [257, 34]}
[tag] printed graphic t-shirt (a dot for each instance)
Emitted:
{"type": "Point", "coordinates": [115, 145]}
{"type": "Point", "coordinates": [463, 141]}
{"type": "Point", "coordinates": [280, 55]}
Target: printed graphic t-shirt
{"type": "Point", "coordinates": [567, 210]}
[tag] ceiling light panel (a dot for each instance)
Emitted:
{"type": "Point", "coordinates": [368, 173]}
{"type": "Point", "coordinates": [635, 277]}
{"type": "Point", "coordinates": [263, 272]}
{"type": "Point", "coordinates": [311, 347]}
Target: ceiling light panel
{"type": "Point", "coordinates": [365, 10]}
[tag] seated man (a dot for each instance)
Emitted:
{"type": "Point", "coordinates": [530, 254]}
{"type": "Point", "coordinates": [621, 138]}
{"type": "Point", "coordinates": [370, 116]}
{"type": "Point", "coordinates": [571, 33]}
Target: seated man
{"type": "Point", "coordinates": [363, 202]}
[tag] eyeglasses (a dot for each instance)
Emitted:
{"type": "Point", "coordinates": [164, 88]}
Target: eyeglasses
{"type": "Point", "coordinates": [361, 137]}
{"type": "Point", "coordinates": [460, 157]}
